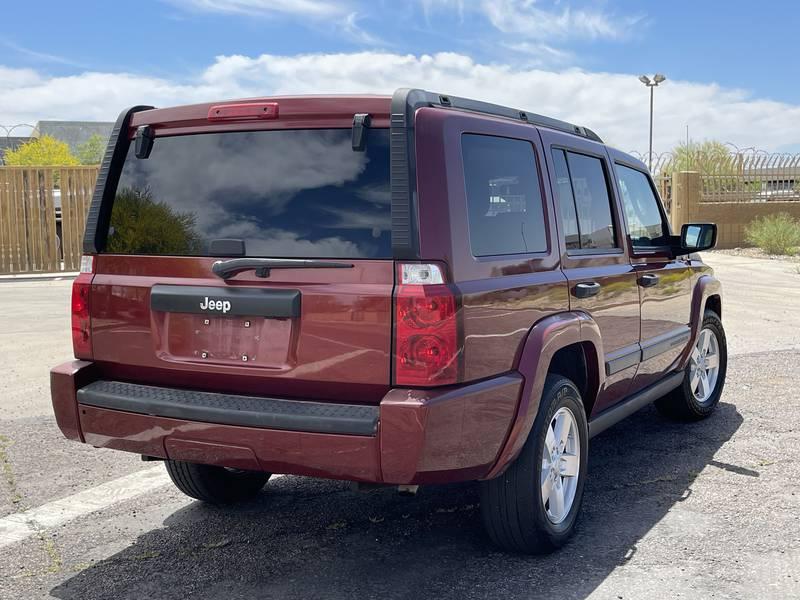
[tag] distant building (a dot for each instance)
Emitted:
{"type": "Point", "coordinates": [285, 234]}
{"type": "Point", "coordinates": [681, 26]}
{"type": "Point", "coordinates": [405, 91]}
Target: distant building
{"type": "Point", "coordinates": [10, 143]}
{"type": "Point", "coordinates": [74, 133]}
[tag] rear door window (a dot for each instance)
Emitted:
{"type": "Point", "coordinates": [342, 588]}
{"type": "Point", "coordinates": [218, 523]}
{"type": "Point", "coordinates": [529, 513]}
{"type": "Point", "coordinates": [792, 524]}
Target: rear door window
{"type": "Point", "coordinates": [584, 201]}
{"type": "Point", "coordinates": [292, 194]}
{"type": "Point", "coordinates": [504, 200]}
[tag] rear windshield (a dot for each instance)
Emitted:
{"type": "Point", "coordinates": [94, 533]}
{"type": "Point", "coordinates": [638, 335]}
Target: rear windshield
{"type": "Point", "coordinates": [291, 193]}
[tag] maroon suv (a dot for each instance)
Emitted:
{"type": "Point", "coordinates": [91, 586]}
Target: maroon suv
{"type": "Point", "coordinates": [400, 290]}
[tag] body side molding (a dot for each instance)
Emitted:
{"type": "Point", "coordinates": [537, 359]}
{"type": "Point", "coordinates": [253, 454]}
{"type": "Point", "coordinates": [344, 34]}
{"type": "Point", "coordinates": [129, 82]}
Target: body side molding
{"type": "Point", "coordinates": [637, 353]}
{"type": "Point", "coordinates": [621, 359]}
{"type": "Point", "coordinates": [664, 343]}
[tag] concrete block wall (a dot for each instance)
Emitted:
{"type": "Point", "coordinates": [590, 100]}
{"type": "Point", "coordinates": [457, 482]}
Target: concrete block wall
{"type": "Point", "coordinates": [731, 217]}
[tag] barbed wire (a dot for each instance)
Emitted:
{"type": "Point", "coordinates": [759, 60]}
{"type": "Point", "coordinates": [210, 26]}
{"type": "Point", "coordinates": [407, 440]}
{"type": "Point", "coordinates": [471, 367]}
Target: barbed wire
{"type": "Point", "coordinates": [734, 160]}
{"type": "Point", "coordinates": [10, 128]}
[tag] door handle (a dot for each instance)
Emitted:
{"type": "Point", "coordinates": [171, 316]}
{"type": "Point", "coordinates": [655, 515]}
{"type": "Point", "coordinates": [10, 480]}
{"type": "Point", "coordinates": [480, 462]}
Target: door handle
{"type": "Point", "coordinates": [586, 289]}
{"type": "Point", "coordinates": [648, 280]}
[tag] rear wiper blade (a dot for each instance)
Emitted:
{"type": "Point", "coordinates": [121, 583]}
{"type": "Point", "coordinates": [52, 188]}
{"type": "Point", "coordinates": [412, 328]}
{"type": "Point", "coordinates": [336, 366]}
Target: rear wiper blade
{"type": "Point", "coordinates": [262, 266]}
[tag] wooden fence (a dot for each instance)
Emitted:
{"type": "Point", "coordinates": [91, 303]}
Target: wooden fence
{"type": "Point", "coordinates": [42, 217]}
{"type": "Point", "coordinates": [43, 210]}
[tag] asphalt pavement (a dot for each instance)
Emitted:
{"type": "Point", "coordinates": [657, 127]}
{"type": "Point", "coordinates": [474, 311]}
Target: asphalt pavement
{"type": "Point", "coordinates": [702, 510]}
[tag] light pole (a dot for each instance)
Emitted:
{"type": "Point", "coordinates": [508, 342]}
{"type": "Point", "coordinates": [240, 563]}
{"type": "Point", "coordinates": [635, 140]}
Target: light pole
{"type": "Point", "coordinates": [657, 78]}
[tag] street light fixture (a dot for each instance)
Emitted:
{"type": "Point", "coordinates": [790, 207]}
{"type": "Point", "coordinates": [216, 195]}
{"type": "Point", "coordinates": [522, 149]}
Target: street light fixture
{"type": "Point", "coordinates": [651, 83]}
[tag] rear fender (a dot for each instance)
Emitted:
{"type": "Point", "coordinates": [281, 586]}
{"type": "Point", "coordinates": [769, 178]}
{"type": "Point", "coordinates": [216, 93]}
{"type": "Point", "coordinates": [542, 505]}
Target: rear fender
{"type": "Point", "coordinates": [544, 339]}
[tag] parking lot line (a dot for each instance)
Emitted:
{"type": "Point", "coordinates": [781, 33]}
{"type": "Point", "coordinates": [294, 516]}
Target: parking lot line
{"type": "Point", "coordinates": [18, 526]}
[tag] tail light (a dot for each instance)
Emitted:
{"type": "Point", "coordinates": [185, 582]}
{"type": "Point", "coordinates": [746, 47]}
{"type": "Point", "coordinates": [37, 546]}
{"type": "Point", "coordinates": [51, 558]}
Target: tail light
{"type": "Point", "coordinates": [81, 321]}
{"type": "Point", "coordinates": [426, 348]}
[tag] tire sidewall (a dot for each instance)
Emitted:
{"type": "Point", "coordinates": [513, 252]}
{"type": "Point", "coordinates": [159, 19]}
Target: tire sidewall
{"type": "Point", "coordinates": [710, 321]}
{"type": "Point", "coordinates": [213, 484]}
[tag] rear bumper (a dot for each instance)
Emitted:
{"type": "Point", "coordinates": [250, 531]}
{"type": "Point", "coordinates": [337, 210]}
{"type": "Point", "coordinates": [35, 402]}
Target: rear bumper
{"type": "Point", "coordinates": [228, 409]}
{"type": "Point", "coordinates": [413, 436]}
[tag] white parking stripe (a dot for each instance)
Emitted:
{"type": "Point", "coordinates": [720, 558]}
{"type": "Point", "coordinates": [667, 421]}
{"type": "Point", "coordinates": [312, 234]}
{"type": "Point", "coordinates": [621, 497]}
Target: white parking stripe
{"type": "Point", "coordinates": [18, 526]}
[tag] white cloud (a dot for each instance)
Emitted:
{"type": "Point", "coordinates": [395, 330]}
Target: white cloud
{"type": "Point", "coordinates": [528, 18]}
{"type": "Point", "coordinates": [615, 105]}
{"type": "Point", "coordinates": [539, 54]}
{"type": "Point", "coordinates": [11, 78]}
{"type": "Point", "coordinates": [354, 31]}
{"type": "Point", "coordinates": [531, 20]}
{"type": "Point", "coordinates": [429, 6]}
{"type": "Point", "coordinates": [309, 8]}
{"type": "Point", "coordinates": [40, 56]}
{"type": "Point", "coordinates": [338, 14]}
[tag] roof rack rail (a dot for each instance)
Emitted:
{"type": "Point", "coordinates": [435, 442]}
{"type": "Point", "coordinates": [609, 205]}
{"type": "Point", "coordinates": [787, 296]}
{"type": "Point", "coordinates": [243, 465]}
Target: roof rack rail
{"type": "Point", "coordinates": [405, 102]}
{"type": "Point", "coordinates": [416, 98]}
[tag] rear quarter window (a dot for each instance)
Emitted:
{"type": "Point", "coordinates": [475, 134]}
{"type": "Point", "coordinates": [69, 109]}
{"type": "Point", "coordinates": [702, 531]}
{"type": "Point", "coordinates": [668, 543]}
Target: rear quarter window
{"type": "Point", "coordinates": [504, 200]}
{"type": "Point", "coordinates": [288, 193]}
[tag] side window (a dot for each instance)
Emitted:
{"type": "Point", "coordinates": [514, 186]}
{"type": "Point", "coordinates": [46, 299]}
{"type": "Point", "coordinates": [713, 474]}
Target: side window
{"type": "Point", "coordinates": [566, 201]}
{"type": "Point", "coordinates": [645, 223]}
{"type": "Point", "coordinates": [584, 201]}
{"type": "Point", "coordinates": [504, 200]}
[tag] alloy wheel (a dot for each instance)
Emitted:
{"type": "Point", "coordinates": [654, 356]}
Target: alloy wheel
{"type": "Point", "coordinates": [704, 366]}
{"type": "Point", "coordinates": [560, 465]}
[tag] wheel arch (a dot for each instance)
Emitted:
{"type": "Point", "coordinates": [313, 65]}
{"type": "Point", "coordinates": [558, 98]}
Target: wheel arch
{"type": "Point", "coordinates": [550, 344]}
{"type": "Point", "coordinates": [707, 293]}
{"type": "Point", "coordinates": [578, 363]}
{"type": "Point", "coordinates": [714, 302]}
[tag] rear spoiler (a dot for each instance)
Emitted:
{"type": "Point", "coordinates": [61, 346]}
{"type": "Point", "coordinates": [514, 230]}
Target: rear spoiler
{"type": "Point", "coordinates": [97, 219]}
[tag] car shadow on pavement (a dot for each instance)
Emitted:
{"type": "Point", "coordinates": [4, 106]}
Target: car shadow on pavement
{"type": "Point", "coordinates": [308, 538]}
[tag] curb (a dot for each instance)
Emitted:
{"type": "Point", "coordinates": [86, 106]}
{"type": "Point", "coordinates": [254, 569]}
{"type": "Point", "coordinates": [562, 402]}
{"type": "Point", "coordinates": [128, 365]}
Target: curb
{"type": "Point", "coordinates": [39, 276]}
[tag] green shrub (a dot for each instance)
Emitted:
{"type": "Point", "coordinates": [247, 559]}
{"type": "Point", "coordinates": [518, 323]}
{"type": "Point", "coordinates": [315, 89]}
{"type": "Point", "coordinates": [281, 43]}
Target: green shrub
{"type": "Point", "coordinates": [775, 234]}
{"type": "Point", "coordinates": [141, 225]}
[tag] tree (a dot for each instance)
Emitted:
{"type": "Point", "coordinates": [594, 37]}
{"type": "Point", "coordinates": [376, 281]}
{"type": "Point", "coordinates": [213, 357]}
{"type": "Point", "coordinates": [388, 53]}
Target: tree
{"type": "Point", "coordinates": [141, 225]}
{"type": "Point", "coordinates": [706, 157]}
{"type": "Point", "coordinates": [44, 151]}
{"type": "Point", "coordinates": [91, 151]}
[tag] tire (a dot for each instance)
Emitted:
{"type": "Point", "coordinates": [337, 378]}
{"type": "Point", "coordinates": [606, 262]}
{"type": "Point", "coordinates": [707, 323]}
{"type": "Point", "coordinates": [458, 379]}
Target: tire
{"type": "Point", "coordinates": [685, 403]}
{"type": "Point", "coordinates": [514, 514]}
{"type": "Point", "coordinates": [215, 485]}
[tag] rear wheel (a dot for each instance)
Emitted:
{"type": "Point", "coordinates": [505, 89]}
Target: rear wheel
{"type": "Point", "coordinates": [216, 485]}
{"type": "Point", "coordinates": [699, 393]}
{"type": "Point", "coordinates": [534, 505]}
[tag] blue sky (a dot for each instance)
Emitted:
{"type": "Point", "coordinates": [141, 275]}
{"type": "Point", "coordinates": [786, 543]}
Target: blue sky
{"type": "Point", "coordinates": [735, 56]}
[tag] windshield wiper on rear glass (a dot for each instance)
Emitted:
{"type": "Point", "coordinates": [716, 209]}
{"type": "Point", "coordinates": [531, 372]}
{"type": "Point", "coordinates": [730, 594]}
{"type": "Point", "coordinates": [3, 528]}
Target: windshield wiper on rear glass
{"type": "Point", "coordinates": [262, 266]}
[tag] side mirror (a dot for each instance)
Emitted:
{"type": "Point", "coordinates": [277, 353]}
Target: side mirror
{"type": "Point", "coordinates": [696, 237]}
